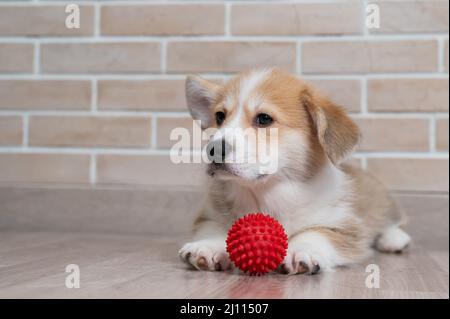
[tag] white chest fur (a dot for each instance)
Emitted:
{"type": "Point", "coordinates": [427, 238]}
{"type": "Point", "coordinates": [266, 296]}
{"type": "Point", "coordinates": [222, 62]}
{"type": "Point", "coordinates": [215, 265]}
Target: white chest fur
{"type": "Point", "coordinates": [322, 201]}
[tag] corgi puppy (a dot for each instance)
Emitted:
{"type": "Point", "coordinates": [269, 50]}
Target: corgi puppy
{"type": "Point", "coordinates": [332, 213]}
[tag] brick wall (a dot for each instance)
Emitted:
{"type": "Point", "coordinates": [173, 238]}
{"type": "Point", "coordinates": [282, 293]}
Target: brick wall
{"type": "Point", "coordinates": [95, 105]}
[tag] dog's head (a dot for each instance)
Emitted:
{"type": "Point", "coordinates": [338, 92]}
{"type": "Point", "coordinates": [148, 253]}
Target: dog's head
{"type": "Point", "coordinates": [297, 129]}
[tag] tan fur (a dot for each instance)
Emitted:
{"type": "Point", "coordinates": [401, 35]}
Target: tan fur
{"type": "Point", "coordinates": [201, 218]}
{"type": "Point", "coordinates": [285, 92]}
{"type": "Point", "coordinates": [349, 239]}
{"type": "Point", "coordinates": [361, 206]}
{"type": "Point", "coordinates": [337, 133]}
{"type": "Point", "coordinates": [375, 208]}
{"type": "Point", "coordinates": [371, 201]}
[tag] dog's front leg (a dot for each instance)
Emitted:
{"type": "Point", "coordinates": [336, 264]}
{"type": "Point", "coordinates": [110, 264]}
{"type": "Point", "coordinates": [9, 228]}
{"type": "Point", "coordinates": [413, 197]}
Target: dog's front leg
{"type": "Point", "coordinates": [207, 249]}
{"type": "Point", "coordinates": [322, 248]}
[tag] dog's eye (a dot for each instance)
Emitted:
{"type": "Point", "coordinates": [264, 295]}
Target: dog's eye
{"type": "Point", "coordinates": [263, 120]}
{"type": "Point", "coordinates": [220, 118]}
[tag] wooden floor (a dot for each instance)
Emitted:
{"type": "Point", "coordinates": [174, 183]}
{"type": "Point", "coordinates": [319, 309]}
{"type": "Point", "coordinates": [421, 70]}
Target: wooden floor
{"type": "Point", "coordinates": [32, 265]}
{"type": "Point", "coordinates": [44, 229]}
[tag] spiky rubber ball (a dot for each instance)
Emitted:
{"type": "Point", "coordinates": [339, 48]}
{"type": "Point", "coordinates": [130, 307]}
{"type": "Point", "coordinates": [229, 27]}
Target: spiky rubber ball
{"type": "Point", "coordinates": [256, 244]}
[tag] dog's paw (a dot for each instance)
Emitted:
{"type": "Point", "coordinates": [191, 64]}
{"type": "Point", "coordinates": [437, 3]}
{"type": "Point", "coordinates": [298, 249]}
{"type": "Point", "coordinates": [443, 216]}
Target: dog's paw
{"type": "Point", "coordinates": [300, 262]}
{"type": "Point", "coordinates": [206, 255]}
{"type": "Point", "coordinates": [393, 240]}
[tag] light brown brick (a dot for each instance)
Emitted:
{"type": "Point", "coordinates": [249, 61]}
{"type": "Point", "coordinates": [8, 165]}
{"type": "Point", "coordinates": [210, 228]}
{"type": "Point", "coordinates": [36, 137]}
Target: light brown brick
{"type": "Point", "coordinates": [346, 93]}
{"type": "Point", "coordinates": [100, 131]}
{"type": "Point", "coordinates": [408, 95]}
{"type": "Point", "coordinates": [118, 57]}
{"type": "Point", "coordinates": [165, 125]}
{"type": "Point", "coordinates": [147, 169]}
{"type": "Point", "coordinates": [163, 19]}
{"type": "Point", "coordinates": [412, 16]}
{"type": "Point", "coordinates": [45, 94]}
{"type": "Point", "coordinates": [10, 130]}
{"type": "Point", "coordinates": [411, 174]}
{"type": "Point", "coordinates": [44, 168]}
{"type": "Point", "coordinates": [445, 55]}
{"type": "Point", "coordinates": [383, 134]}
{"type": "Point", "coordinates": [296, 19]}
{"type": "Point", "coordinates": [16, 58]}
{"type": "Point", "coordinates": [43, 21]}
{"type": "Point", "coordinates": [141, 95]}
{"type": "Point", "coordinates": [369, 56]}
{"type": "Point", "coordinates": [229, 56]}
{"type": "Point", "coordinates": [442, 134]}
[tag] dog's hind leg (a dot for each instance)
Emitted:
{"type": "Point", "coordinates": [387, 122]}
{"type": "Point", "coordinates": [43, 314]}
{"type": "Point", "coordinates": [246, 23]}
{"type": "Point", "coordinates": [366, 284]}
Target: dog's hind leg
{"type": "Point", "coordinates": [392, 239]}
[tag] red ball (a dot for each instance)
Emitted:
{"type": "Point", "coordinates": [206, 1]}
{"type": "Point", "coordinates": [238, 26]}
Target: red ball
{"type": "Point", "coordinates": [256, 244]}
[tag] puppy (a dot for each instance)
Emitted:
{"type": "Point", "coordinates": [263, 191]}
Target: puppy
{"type": "Point", "coordinates": [333, 214]}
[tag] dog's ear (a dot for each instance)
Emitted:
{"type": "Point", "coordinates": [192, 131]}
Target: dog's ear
{"type": "Point", "coordinates": [200, 94]}
{"type": "Point", "coordinates": [337, 133]}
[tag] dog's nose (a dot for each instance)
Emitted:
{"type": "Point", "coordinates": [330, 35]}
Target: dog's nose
{"type": "Point", "coordinates": [217, 151]}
